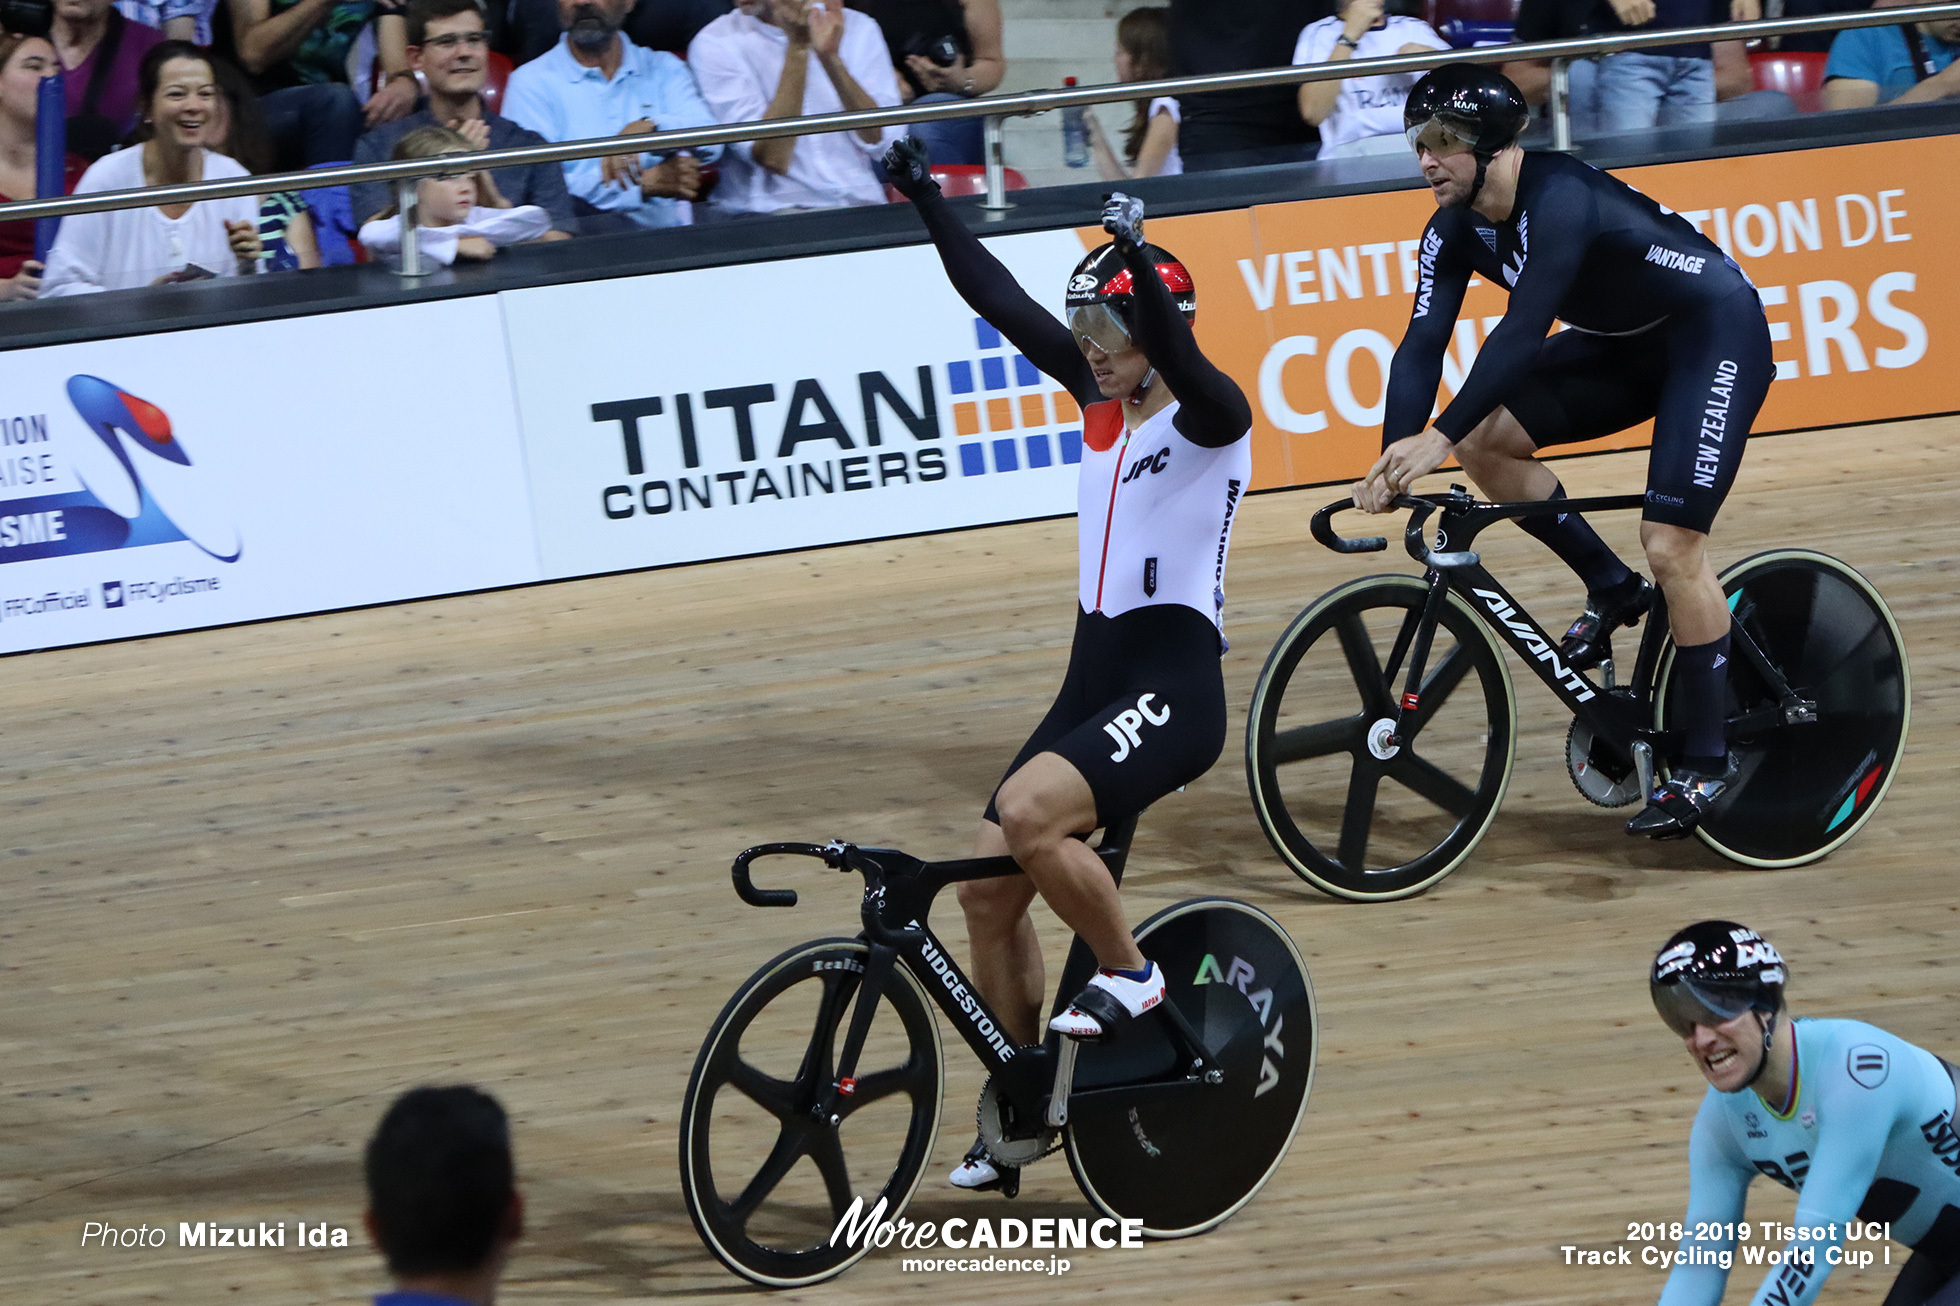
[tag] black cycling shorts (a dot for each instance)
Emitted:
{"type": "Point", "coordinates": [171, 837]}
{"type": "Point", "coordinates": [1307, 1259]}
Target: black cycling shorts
{"type": "Point", "coordinates": [1702, 378]}
{"type": "Point", "coordinates": [1141, 711]}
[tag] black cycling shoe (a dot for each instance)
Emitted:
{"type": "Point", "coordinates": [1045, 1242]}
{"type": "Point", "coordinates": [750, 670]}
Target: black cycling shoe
{"type": "Point", "coordinates": [1586, 641]}
{"type": "Point", "coordinates": [1679, 802]}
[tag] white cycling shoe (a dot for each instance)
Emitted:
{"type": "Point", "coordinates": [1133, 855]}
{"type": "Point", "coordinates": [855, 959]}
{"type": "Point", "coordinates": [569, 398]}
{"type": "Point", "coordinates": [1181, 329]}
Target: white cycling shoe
{"type": "Point", "coordinates": [1108, 1003]}
{"type": "Point", "coordinates": [978, 1172]}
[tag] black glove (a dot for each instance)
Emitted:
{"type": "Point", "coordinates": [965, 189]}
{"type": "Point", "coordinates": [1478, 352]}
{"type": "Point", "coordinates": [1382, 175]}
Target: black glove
{"type": "Point", "coordinates": [909, 169]}
{"type": "Point", "coordinates": [1122, 217]}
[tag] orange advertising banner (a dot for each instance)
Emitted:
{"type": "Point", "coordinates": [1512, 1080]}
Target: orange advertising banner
{"type": "Point", "coordinates": [1304, 303]}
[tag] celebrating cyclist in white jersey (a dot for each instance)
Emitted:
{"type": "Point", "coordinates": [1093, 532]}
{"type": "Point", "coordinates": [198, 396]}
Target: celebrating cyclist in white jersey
{"type": "Point", "coordinates": [1141, 711]}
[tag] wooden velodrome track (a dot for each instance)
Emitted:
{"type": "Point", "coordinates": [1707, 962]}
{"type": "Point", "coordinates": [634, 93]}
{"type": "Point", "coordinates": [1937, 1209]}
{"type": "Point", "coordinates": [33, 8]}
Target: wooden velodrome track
{"type": "Point", "coordinates": [257, 881]}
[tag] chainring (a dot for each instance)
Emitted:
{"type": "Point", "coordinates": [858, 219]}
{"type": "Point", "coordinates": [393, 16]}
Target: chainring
{"type": "Point", "coordinates": [1589, 776]}
{"type": "Point", "coordinates": [1004, 1150]}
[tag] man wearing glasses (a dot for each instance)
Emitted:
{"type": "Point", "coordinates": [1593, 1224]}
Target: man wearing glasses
{"type": "Point", "coordinates": [1661, 325]}
{"type": "Point", "coordinates": [448, 46]}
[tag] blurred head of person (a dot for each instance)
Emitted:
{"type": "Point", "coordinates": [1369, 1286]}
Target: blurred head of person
{"type": "Point", "coordinates": [25, 61]}
{"type": "Point", "coordinates": [82, 13]}
{"type": "Point", "coordinates": [592, 25]}
{"type": "Point", "coordinates": [445, 199]}
{"type": "Point", "coordinates": [1143, 54]}
{"type": "Point", "coordinates": [448, 45]}
{"type": "Point", "coordinates": [177, 95]}
{"type": "Point", "coordinates": [443, 1207]}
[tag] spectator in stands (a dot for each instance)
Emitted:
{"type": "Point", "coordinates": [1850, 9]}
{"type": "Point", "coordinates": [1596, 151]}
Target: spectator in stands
{"type": "Point", "coordinates": [596, 82]}
{"type": "Point", "coordinates": [459, 215]}
{"type": "Point", "coordinates": [177, 242]}
{"type": "Point", "coordinates": [101, 51]}
{"type": "Point", "coordinates": [944, 51]}
{"type": "Point", "coordinates": [1909, 64]}
{"type": "Point", "coordinates": [1143, 54]}
{"type": "Point", "coordinates": [1237, 129]}
{"type": "Point", "coordinates": [448, 45]}
{"type": "Point", "coordinates": [650, 24]}
{"type": "Point", "coordinates": [1814, 42]}
{"type": "Point", "coordinates": [1361, 115]}
{"type": "Point", "coordinates": [1635, 89]}
{"type": "Point", "coordinates": [443, 1206]}
{"type": "Point", "coordinates": [296, 52]}
{"type": "Point", "coordinates": [24, 62]}
{"type": "Point", "coordinates": [238, 131]}
{"type": "Point", "coordinates": [788, 59]}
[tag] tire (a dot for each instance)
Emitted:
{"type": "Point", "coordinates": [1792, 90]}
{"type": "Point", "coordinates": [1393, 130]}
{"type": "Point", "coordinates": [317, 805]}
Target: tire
{"type": "Point", "coordinates": [1307, 737]}
{"type": "Point", "coordinates": [1802, 790]}
{"type": "Point", "coordinates": [782, 1239]}
{"type": "Point", "coordinates": [1183, 1157]}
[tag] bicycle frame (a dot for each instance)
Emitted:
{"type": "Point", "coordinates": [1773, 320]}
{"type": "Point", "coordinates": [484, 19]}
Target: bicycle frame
{"type": "Point", "coordinates": [1620, 717]}
{"type": "Point", "coordinates": [898, 894]}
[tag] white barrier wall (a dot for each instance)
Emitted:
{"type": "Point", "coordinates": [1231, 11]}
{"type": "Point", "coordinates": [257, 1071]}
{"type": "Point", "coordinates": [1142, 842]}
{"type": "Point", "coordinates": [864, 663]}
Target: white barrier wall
{"type": "Point", "coordinates": [166, 482]}
{"type": "Point", "coordinates": [169, 482]}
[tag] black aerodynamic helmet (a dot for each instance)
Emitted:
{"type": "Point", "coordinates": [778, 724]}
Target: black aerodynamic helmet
{"type": "Point", "coordinates": [1714, 971]}
{"type": "Point", "coordinates": [1470, 103]}
{"type": "Point", "coordinates": [1101, 291]}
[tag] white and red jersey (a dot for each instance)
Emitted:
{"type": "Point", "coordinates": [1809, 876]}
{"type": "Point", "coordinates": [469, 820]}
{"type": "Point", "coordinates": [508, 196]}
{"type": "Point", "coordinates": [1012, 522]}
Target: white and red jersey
{"type": "Point", "coordinates": [1155, 513]}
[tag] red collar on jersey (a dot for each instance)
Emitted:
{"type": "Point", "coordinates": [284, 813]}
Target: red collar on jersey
{"type": "Point", "coordinates": [1102, 425]}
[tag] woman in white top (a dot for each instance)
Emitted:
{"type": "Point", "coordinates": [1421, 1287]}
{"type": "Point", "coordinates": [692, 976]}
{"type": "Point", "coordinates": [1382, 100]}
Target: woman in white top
{"type": "Point", "coordinates": [1361, 115]}
{"type": "Point", "coordinates": [1143, 54]}
{"type": "Point", "coordinates": [459, 215]}
{"type": "Point", "coordinates": [174, 242]}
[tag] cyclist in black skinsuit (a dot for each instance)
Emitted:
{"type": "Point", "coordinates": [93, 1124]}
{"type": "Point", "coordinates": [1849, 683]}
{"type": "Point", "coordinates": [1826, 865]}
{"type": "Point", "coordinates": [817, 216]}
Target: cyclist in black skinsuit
{"type": "Point", "coordinates": [1141, 710]}
{"type": "Point", "coordinates": [1661, 324]}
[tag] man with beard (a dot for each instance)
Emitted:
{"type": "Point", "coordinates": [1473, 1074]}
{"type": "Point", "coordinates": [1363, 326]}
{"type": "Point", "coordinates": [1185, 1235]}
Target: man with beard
{"type": "Point", "coordinates": [596, 82]}
{"type": "Point", "coordinates": [448, 45]}
{"type": "Point", "coordinates": [786, 59]}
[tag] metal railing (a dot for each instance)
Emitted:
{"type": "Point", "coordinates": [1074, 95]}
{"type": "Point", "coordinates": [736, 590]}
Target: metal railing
{"type": "Point", "coordinates": [993, 108]}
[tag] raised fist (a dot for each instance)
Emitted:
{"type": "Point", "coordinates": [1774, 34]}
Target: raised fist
{"type": "Point", "coordinates": [1122, 217]}
{"type": "Point", "coordinates": [909, 168]}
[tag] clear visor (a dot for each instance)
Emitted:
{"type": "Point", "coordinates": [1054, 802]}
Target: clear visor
{"type": "Point", "coordinates": [1099, 325]}
{"type": "Point", "coordinates": [1441, 137]}
{"type": "Point", "coordinates": [1685, 1004]}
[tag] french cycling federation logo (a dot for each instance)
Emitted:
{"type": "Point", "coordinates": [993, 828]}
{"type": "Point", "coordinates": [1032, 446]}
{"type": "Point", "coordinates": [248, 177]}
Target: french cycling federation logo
{"type": "Point", "coordinates": [139, 487]}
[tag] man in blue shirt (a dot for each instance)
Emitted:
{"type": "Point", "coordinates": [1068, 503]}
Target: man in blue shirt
{"type": "Point", "coordinates": [443, 1207]}
{"type": "Point", "coordinates": [1857, 1121]}
{"type": "Point", "coordinates": [596, 83]}
{"type": "Point", "coordinates": [448, 45]}
{"type": "Point", "coordinates": [1909, 64]}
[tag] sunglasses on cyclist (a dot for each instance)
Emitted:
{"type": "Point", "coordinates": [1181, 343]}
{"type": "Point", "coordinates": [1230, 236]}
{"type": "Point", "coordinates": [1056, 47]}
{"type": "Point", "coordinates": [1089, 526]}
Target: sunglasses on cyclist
{"type": "Point", "coordinates": [1439, 137]}
{"type": "Point", "coordinates": [1685, 1004]}
{"type": "Point", "coordinates": [1104, 326]}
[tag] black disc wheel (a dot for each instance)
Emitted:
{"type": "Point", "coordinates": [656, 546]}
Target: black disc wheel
{"type": "Point", "coordinates": [766, 1181]}
{"type": "Point", "coordinates": [1353, 813]}
{"type": "Point", "coordinates": [1181, 1155]}
{"type": "Point", "coordinates": [1804, 787]}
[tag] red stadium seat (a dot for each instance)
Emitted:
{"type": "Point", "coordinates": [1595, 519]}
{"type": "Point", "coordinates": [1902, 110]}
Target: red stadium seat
{"type": "Point", "coordinates": [496, 73]}
{"type": "Point", "coordinates": [963, 179]}
{"type": "Point", "coordinates": [1798, 75]}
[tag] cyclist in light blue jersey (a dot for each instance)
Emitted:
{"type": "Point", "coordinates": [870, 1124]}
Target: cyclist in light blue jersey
{"type": "Point", "coordinates": [1857, 1121]}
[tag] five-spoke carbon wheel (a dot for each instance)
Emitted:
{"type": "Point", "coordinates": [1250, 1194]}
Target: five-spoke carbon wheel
{"type": "Point", "coordinates": [765, 1179]}
{"type": "Point", "coordinates": [1354, 813]}
{"type": "Point", "coordinates": [1803, 788]}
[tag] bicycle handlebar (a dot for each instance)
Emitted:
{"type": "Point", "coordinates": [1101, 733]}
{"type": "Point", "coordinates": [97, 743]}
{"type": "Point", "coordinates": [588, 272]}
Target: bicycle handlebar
{"type": "Point", "coordinates": [831, 854]}
{"type": "Point", "coordinates": [1323, 531]}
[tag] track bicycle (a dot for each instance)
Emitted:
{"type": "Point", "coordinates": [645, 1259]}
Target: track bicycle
{"type": "Point", "coordinates": [1369, 794]}
{"type": "Point", "coordinates": [820, 1082]}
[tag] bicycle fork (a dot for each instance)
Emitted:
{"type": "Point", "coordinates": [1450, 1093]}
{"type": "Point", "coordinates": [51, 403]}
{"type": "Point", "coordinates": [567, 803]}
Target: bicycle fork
{"type": "Point", "coordinates": [877, 971]}
{"type": "Point", "coordinates": [1425, 633]}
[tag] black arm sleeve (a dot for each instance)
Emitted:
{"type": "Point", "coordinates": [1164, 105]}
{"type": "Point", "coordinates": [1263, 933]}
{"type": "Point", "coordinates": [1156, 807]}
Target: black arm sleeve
{"type": "Point", "coordinates": [1548, 274]}
{"type": "Point", "coordinates": [1418, 365]}
{"type": "Point", "coordinates": [1211, 409]}
{"type": "Point", "coordinates": [990, 290]}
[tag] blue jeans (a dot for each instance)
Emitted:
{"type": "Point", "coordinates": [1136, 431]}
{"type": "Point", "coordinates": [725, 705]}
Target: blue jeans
{"type": "Point", "coordinates": [1638, 91]}
{"type": "Point", "coordinates": [952, 140]}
